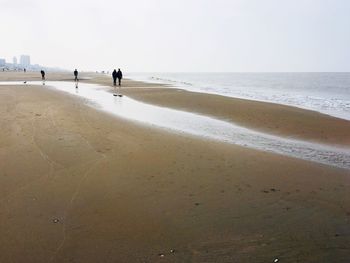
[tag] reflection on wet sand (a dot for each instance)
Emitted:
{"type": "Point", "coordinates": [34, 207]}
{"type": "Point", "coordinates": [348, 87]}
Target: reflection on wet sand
{"type": "Point", "coordinates": [199, 125]}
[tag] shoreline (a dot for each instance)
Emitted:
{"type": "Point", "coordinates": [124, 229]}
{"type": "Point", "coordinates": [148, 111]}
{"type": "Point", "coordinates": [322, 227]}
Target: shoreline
{"type": "Point", "coordinates": [204, 127]}
{"type": "Point", "coordinates": [276, 119]}
{"type": "Point", "coordinates": [271, 118]}
{"type": "Point", "coordinates": [174, 80]}
{"type": "Point", "coordinates": [80, 185]}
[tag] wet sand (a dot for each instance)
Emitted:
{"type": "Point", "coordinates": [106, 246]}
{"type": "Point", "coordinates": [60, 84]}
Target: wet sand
{"type": "Point", "coordinates": [267, 117]}
{"type": "Point", "coordinates": [79, 185]}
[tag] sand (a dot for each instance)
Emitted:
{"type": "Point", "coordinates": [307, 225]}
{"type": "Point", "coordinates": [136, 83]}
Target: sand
{"type": "Point", "coordinates": [79, 185]}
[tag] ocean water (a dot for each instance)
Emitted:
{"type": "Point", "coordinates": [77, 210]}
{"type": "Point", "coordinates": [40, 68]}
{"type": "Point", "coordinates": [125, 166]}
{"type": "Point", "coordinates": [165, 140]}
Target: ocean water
{"type": "Point", "coordinates": [328, 93]}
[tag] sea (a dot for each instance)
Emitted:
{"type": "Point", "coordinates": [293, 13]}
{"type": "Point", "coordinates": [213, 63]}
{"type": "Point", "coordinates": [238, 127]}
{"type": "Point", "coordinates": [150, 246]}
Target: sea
{"type": "Point", "coordinates": [328, 93]}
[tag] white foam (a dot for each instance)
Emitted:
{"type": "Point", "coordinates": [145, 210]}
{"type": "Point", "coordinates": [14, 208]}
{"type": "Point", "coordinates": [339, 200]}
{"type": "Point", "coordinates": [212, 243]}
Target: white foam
{"type": "Point", "coordinates": [328, 93]}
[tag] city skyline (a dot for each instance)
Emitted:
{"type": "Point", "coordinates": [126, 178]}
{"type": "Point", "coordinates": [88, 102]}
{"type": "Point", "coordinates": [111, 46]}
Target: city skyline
{"type": "Point", "coordinates": [24, 60]}
{"type": "Point", "coordinates": [24, 63]}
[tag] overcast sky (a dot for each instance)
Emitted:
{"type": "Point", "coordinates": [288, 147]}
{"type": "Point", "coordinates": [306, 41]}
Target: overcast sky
{"type": "Point", "coordinates": [179, 36]}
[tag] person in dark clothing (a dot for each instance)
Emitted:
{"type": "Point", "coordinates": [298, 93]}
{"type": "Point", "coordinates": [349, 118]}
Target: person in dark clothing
{"type": "Point", "coordinates": [76, 75]}
{"type": "Point", "coordinates": [114, 75]}
{"type": "Point", "coordinates": [119, 76]}
{"type": "Point", "coordinates": [42, 75]}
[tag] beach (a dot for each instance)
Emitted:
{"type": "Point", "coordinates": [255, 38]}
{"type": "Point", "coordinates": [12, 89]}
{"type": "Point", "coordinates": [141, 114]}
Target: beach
{"type": "Point", "coordinates": [80, 185]}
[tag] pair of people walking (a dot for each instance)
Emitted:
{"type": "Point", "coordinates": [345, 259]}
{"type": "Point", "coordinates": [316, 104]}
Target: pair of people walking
{"type": "Point", "coordinates": [117, 75]}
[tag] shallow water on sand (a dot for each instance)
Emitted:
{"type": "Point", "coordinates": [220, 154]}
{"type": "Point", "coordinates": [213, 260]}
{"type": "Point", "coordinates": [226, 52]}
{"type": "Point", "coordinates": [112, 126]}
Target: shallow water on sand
{"type": "Point", "coordinates": [199, 125]}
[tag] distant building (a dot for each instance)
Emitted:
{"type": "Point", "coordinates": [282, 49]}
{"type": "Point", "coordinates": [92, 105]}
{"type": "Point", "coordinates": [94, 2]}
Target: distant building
{"type": "Point", "coordinates": [2, 62]}
{"type": "Point", "coordinates": [14, 61]}
{"type": "Point", "coordinates": [25, 60]}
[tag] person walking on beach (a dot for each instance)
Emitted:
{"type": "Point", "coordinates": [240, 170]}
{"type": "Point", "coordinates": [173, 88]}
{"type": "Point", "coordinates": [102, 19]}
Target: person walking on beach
{"type": "Point", "coordinates": [114, 75]}
{"type": "Point", "coordinates": [76, 75]}
{"type": "Point", "coordinates": [42, 75]}
{"type": "Point", "coordinates": [119, 76]}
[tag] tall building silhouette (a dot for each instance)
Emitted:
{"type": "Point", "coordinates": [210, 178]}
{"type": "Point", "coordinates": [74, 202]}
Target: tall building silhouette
{"type": "Point", "coordinates": [25, 60]}
{"type": "Point", "coordinates": [14, 60]}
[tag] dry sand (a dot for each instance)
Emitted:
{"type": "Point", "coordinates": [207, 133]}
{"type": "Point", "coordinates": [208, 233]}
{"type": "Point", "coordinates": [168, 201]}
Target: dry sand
{"type": "Point", "coordinates": [79, 185]}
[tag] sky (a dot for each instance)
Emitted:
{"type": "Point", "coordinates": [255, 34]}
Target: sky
{"type": "Point", "coordinates": [179, 36]}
